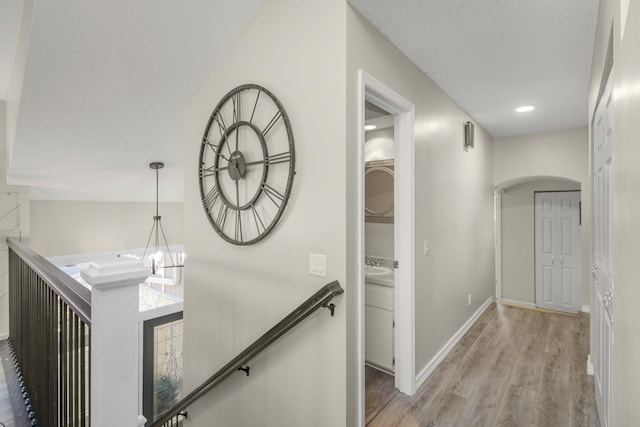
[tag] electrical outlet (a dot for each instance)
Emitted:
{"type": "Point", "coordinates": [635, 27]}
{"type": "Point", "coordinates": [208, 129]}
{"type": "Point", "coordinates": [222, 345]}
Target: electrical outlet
{"type": "Point", "coordinates": [469, 300]}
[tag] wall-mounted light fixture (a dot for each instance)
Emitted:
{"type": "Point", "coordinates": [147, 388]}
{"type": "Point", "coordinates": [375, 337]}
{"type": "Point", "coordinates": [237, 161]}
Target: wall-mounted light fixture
{"type": "Point", "coordinates": [468, 135]}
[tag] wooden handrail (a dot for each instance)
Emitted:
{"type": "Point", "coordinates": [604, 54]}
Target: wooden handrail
{"type": "Point", "coordinates": [318, 300]}
{"type": "Point", "coordinates": [73, 293]}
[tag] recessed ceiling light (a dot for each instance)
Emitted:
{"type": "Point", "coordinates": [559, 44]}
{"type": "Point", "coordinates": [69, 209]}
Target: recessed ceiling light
{"type": "Point", "coordinates": [369, 127]}
{"type": "Point", "coordinates": [525, 109]}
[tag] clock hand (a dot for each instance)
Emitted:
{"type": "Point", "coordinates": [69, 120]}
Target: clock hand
{"type": "Point", "coordinates": [257, 162]}
{"type": "Point", "coordinates": [238, 219]}
{"type": "Point", "coordinates": [214, 147]}
{"type": "Point", "coordinates": [272, 160]}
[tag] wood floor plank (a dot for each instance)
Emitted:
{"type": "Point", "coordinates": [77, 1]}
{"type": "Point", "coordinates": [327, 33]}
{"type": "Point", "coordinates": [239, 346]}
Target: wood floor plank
{"type": "Point", "coordinates": [471, 336]}
{"type": "Point", "coordinates": [443, 410]}
{"type": "Point", "coordinates": [515, 367]}
{"type": "Point", "coordinates": [552, 397]}
{"type": "Point", "coordinates": [482, 407]}
{"type": "Point", "coordinates": [379, 390]}
{"type": "Point", "coordinates": [394, 414]}
{"type": "Point", "coordinates": [402, 409]}
{"type": "Point", "coordinates": [528, 365]}
{"type": "Point", "coordinates": [475, 361]}
{"type": "Point", "coordinates": [583, 411]}
{"type": "Point", "coordinates": [516, 407]}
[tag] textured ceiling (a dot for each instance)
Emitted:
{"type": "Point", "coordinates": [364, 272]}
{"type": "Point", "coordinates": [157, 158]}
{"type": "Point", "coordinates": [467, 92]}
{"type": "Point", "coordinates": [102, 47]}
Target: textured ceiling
{"type": "Point", "coordinates": [492, 56]}
{"type": "Point", "coordinates": [105, 88]}
{"type": "Point", "coordinates": [106, 82]}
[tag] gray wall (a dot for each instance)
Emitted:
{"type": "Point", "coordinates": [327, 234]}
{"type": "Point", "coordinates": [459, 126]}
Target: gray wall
{"type": "Point", "coordinates": [296, 49]}
{"type": "Point", "coordinates": [562, 154]}
{"type": "Point", "coordinates": [549, 155]}
{"type": "Point", "coordinates": [454, 198]}
{"type": "Point", "coordinates": [518, 264]}
{"type": "Point", "coordinates": [76, 227]}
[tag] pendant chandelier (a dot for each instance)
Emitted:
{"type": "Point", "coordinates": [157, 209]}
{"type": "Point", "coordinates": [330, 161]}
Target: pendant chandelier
{"type": "Point", "coordinates": [158, 257]}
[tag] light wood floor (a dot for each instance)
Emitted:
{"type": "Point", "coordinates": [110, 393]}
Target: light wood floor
{"type": "Point", "coordinates": [515, 367]}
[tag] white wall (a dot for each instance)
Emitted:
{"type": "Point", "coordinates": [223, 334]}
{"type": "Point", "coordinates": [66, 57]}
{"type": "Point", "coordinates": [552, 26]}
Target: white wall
{"type": "Point", "coordinates": [453, 191]}
{"type": "Point", "coordinates": [296, 49]}
{"type": "Point", "coordinates": [625, 375]}
{"type": "Point", "coordinates": [76, 227]}
{"type": "Point", "coordinates": [518, 262]}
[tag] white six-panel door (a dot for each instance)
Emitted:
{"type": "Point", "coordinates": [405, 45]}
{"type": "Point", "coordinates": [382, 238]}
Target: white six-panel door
{"type": "Point", "coordinates": [558, 251]}
{"type": "Point", "coordinates": [602, 268]}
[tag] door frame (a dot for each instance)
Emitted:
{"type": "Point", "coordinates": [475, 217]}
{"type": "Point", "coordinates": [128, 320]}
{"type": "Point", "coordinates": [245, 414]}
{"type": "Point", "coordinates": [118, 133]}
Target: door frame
{"type": "Point", "coordinates": [497, 232]}
{"type": "Point", "coordinates": [374, 91]}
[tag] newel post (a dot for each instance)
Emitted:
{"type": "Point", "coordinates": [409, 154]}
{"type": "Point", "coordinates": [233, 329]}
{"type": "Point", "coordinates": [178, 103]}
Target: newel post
{"type": "Point", "coordinates": [114, 341]}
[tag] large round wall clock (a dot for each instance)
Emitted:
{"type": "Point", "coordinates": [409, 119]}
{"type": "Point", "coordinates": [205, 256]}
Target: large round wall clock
{"type": "Point", "coordinates": [247, 164]}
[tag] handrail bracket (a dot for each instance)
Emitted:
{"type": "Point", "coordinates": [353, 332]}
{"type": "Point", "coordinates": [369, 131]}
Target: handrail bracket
{"type": "Point", "coordinates": [331, 307]}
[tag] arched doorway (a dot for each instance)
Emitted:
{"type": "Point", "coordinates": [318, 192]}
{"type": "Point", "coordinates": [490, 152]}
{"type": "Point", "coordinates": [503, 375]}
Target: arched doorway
{"type": "Point", "coordinates": [516, 237]}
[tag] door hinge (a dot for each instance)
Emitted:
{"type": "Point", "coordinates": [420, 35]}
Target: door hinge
{"type": "Point", "coordinates": [393, 361]}
{"type": "Point", "coordinates": [395, 264]}
{"type": "Point", "coordinates": [393, 324]}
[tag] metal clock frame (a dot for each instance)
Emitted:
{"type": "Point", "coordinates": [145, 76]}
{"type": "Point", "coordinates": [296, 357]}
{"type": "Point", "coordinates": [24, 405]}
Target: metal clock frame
{"type": "Point", "coordinates": [264, 189]}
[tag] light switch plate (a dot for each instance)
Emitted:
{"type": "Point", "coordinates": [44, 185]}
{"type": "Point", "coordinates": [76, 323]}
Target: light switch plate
{"type": "Point", "coordinates": [318, 265]}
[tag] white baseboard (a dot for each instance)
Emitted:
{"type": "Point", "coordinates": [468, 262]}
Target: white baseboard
{"type": "Point", "coordinates": [589, 365]}
{"type": "Point", "coordinates": [4, 337]}
{"type": "Point", "coordinates": [584, 308]}
{"type": "Point", "coordinates": [435, 361]}
{"type": "Point", "coordinates": [517, 303]}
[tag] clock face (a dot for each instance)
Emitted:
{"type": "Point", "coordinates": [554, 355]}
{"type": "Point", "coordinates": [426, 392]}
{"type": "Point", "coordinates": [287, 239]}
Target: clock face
{"type": "Point", "coordinates": [246, 163]}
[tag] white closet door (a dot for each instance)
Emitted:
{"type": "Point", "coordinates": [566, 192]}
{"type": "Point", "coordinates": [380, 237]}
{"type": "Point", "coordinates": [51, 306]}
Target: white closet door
{"type": "Point", "coordinates": [602, 268]}
{"type": "Point", "coordinates": [558, 251]}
